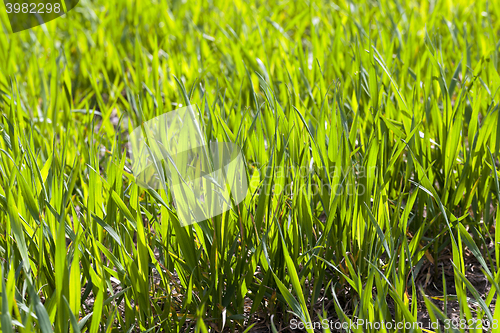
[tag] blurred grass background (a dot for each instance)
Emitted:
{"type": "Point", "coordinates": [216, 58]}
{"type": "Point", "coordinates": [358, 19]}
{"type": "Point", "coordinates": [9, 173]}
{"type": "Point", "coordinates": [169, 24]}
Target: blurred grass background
{"type": "Point", "coordinates": [371, 137]}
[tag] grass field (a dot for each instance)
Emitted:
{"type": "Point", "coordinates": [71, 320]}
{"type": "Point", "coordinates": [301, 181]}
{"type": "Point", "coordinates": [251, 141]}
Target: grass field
{"type": "Point", "coordinates": [371, 138]}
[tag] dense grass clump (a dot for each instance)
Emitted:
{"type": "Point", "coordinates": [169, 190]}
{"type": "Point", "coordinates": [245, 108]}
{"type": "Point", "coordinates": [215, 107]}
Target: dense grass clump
{"type": "Point", "coordinates": [371, 137]}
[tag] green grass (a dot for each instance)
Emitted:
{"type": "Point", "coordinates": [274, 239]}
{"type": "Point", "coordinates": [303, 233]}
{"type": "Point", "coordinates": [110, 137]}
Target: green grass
{"type": "Point", "coordinates": [371, 138]}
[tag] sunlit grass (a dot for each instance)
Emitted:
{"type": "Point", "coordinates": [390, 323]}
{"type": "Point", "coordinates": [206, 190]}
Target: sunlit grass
{"type": "Point", "coordinates": [371, 138]}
